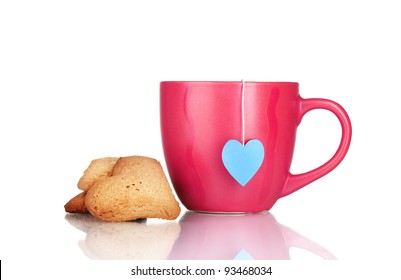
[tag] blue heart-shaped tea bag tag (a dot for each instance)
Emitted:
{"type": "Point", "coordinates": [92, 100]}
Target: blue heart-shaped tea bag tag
{"type": "Point", "coordinates": [242, 162]}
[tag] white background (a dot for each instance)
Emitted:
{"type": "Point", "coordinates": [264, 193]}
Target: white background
{"type": "Point", "coordinates": [79, 80]}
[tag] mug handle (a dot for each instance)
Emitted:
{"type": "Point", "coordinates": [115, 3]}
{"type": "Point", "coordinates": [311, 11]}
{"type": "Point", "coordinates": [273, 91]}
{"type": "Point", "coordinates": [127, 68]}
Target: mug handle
{"type": "Point", "coordinates": [295, 182]}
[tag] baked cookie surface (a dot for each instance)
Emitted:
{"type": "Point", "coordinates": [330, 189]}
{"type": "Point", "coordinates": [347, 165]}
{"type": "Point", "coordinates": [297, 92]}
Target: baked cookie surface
{"type": "Point", "coordinates": [98, 169]}
{"type": "Point", "coordinates": [124, 189]}
{"type": "Point", "coordinates": [137, 189]}
{"type": "Point", "coordinates": [76, 204]}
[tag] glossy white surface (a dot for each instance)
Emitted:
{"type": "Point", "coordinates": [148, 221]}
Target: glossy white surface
{"type": "Point", "coordinates": [197, 236]}
{"type": "Point", "coordinates": [79, 80]}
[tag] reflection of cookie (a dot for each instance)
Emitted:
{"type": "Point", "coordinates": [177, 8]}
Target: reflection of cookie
{"type": "Point", "coordinates": [138, 188]}
{"type": "Point", "coordinates": [76, 204]}
{"type": "Point", "coordinates": [131, 240]}
{"type": "Point", "coordinates": [99, 169]}
{"type": "Point", "coordinates": [138, 240]}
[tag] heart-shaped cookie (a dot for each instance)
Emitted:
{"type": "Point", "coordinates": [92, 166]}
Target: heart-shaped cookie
{"type": "Point", "coordinates": [124, 189]}
{"type": "Point", "coordinates": [138, 188]}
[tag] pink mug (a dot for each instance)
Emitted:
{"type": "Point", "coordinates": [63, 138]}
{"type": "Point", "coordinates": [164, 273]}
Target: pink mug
{"type": "Point", "coordinates": [228, 146]}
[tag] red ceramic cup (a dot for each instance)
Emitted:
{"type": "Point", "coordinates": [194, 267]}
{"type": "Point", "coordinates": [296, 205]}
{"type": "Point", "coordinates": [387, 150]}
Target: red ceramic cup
{"type": "Point", "coordinates": [228, 146]}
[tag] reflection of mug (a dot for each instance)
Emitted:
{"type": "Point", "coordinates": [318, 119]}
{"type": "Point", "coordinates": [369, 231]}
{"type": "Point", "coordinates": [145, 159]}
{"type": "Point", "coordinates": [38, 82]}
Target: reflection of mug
{"type": "Point", "coordinates": [251, 236]}
{"type": "Point", "coordinates": [229, 145]}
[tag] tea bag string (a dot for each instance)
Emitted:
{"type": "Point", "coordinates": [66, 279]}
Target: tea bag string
{"type": "Point", "coordinates": [243, 112]}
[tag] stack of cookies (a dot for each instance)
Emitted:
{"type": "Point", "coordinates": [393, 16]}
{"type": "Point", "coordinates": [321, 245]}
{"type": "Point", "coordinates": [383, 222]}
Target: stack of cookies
{"type": "Point", "coordinates": [125, 189]}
